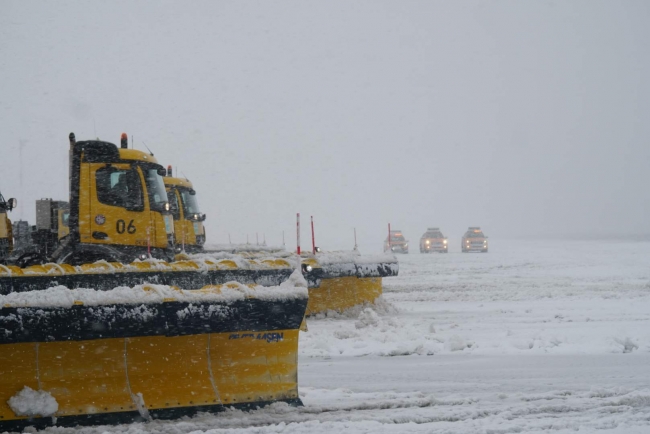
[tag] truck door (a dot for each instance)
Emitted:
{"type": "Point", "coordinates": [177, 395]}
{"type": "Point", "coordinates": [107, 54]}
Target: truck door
{"type": "Point", "coordinates": [118, 205]}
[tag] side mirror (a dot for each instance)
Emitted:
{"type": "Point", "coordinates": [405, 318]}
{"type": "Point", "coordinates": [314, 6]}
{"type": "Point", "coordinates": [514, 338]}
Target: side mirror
{"type": "Point", "coordinates": [192, 192]}
{"type": "Point", "coordinates": [161, 171]}
{"type": "Point", "coordinates": [203, 218]}
{"type": "Point", "coordinates": [12, 203]}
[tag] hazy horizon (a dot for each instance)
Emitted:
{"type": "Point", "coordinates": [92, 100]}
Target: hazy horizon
{"type": "Point", "coordinates": [529, 119]}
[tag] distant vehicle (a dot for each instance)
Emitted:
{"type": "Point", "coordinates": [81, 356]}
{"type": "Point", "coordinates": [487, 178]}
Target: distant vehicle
{"type": "Point", "coordinates": [397, 243]}
{"type": "Point", "coordinates": [474, 240]}
{"type": "Point", "coordinates": [433, 241]}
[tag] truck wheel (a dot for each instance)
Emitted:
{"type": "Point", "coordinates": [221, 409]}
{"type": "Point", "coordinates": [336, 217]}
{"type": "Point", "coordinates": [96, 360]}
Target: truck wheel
{"type": "Point", "coordinates": [31, 258]}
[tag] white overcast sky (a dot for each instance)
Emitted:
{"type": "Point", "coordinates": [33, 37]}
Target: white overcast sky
{"type": "Point", "coordinates": [528, 118]}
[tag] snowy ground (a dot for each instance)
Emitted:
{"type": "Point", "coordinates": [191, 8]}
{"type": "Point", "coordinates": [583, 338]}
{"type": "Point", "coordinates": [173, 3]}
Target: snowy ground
{"type": "Point", "coordinates": [542, 336]}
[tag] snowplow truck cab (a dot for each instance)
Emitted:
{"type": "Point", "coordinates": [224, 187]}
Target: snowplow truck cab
{"type": "Point", "coordinates": [6, 233]}
{"type": "Point", "coordinates": [396, 243]}
{"type": "Point", "coordinates": [189, 232]}
{"type": "Point", "coordinates": [119, 210]}
{"type": "Point", "coordinates": [474, 241]}
{"type": "Point", "coordinates": [433, 241]}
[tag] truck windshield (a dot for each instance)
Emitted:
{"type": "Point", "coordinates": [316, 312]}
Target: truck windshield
{"type": "Point", "coordinates": [433, 235]}
{"type": "Point", "coordinates": [190, 204]}
{"type": "Point", "coordinates": [155, 189]}
{"type": "Point", "coordinates": [475, 235]}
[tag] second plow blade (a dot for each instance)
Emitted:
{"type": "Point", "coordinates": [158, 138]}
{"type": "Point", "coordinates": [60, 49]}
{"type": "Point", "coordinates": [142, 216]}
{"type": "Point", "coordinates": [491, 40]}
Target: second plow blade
{"type": "Point", "coordinates": [349, 279]}
{"type": "Point", "coordinates": [150, 352]}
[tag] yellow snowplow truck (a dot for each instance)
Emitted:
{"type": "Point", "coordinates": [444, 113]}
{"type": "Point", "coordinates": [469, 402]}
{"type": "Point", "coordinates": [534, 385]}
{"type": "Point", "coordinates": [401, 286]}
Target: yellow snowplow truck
{"type": "Point", "coordinates": [110, 341]}
{"type": "Point", "coordinates": [119, 213]}
{"type": "Point", "coordinates": [6, 235]}
{"type": "Point", "coordinates": [189, 232]}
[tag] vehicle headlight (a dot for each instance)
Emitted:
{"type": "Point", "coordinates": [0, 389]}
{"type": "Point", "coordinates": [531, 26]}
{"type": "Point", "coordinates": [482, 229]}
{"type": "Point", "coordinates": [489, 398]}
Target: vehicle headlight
{"type": "Point", "coordinates": [444, 241]}
{"type": "Point", "coordinates": [428, 241]}
{"type": "Point", "coordinates": [166, 206]}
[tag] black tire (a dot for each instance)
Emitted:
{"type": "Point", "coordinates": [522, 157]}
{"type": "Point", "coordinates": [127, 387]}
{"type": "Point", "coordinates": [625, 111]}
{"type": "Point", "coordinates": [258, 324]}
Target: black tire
{"type": "Point", "coordinates": [29, 259]}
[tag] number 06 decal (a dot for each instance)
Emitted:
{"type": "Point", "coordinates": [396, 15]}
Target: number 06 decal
{"type": "Point", "coordinates": [121, 227]}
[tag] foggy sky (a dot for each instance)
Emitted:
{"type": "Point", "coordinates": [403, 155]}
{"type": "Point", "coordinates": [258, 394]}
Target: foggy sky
{"type": "Point", "coordinates": [524, 118]}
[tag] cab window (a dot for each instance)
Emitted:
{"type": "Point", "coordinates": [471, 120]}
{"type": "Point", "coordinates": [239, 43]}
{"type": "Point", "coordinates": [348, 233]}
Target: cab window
{"type": "Point", "coordinates": [118, 187]}
{"type": "Point", "coordinates": [190, 204]}
{"type": "Point", "coordinates": [65, 217]}
{"type": "Point", "coordinates": [173, 205]}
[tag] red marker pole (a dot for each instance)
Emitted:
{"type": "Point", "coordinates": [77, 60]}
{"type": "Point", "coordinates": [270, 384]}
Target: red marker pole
{"type": "Point", "coordinates": [313, 242]}
{"type": "Point", "coordinates": [298, 233]}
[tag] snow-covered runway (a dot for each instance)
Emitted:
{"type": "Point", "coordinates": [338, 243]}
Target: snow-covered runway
{"type": "Point", "coordinates": [534, 336]}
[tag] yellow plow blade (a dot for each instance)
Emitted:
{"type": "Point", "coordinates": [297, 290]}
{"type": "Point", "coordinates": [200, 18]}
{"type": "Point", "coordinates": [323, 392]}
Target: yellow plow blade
{"type": "Point", "coordinates": [341, 293]}
{"type": "Point", "coordinates": [165, 360]}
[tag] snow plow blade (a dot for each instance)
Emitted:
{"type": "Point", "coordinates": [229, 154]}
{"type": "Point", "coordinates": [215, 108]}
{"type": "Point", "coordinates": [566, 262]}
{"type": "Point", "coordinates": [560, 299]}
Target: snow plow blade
{"type": "Point", "coordinates": [82, 356]}
{"type": "Point", "coordinates": [348, 280]}
{"type": "Point", "coordinates": [189, 274]}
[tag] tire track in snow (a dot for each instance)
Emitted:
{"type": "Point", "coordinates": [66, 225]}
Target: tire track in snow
{"type": "Point", "coordinates": [416, 412]}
